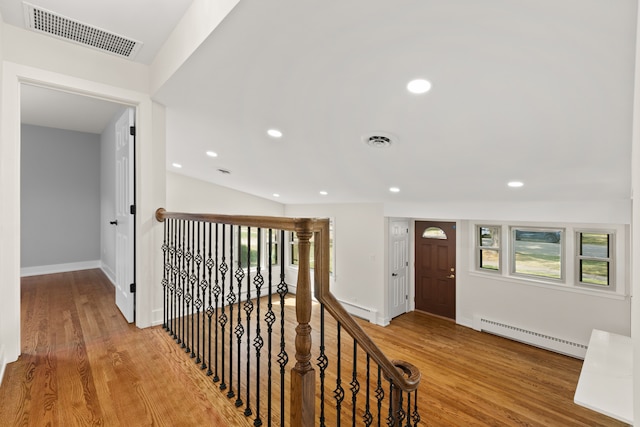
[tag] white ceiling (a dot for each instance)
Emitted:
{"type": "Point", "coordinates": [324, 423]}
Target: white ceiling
{"type": "Point", "coordinates": [537, 90]}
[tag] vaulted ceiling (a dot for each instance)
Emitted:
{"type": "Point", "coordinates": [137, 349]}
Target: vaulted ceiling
{"type": "Point", "coordinates": [538, 91]}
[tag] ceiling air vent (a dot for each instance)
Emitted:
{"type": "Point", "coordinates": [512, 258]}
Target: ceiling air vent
{"type": "Point", "coordinates": [44, 21]}
{"type": "Point", "coordinates": [379, 139]}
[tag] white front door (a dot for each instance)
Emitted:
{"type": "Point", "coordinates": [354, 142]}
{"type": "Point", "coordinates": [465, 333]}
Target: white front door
{"type": "Point", "coordinates": [398, 266]}
{"type": "Point", "coordinates": [125, 298]}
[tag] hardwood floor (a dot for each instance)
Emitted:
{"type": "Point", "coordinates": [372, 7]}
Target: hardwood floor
{"type": "Point", "coordinates": [83, 365]}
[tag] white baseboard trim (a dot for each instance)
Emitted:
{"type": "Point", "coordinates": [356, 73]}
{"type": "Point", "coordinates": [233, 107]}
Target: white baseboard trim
{"type": "Point", "coordinates": [157, 317]}
{"type": "Point", "coordinates": [111, 275]}
{"type": "Point", "coordinates": [59, 268]}
{"type": "Point", "coordinates": [359, 311]}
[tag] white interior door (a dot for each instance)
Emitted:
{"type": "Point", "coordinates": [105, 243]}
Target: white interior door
{"type": "Point", "coordinates": [399, 267]}
{"type": "Point", "coordinates": [125, 298]}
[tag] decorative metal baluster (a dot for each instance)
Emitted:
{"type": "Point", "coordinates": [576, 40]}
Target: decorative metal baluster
{"type": "Point", "coordinates": [197, 302]}
{"type": "Point", "coordinates": [258, 341]}
{"type": "Point", "coordinates": [368, 418]}
{"type": "Point", "coordinates": [210, 310]}
{"type": "Point", "coordinates": [379, 395]}
{"type": "Point", "coordinates": [222, 319]}
{"type": "Point", "coordinates": [231, 299]}
{"type": "Point", "coordinates": [338, 393]}
{"type": "Point", "coordinates": [270, 318]}
{"type": "Point", "coordinates": [355, 384]}
{"type": "Point", "coordinates": [415, 416]}
{"type": "Point", "coordinates": [248, 309]}
{"type": "Point", "coordinates": [283, 357]}
{"type": "Point", "coordinates": [165, 280]}
{"type": "Point", "coordinates": [201, 285]}
{"type": "Point", "coordinates": [191, 291]}
{"type": "Point", "coordinates": [174, 275]}
{"type": "Point", "coordinates": [239, 330]}
{"type": "Point", "coordinates": [216, 294]}
{"type": "Point", "coordinates": [408, 410]}
{"type": "Point", "coordinates": [181, 287]}
{"type": "Point", "coordinates": [391, 419]}
{"type": "Point", "coordinates": [323, 363]}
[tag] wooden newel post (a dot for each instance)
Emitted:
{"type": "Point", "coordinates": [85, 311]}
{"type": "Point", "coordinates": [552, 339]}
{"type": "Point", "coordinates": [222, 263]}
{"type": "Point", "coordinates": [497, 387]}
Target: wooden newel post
{"type": "Point", "coordinates": [302, 374]}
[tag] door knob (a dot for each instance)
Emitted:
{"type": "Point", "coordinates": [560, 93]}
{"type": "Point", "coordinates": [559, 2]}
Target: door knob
{"type": "Point", "coordinates": [113, 222]}
{"type": "Point", "coordinates": [451, 276]}
{"type": "Point", "coordinates": [394, 274]}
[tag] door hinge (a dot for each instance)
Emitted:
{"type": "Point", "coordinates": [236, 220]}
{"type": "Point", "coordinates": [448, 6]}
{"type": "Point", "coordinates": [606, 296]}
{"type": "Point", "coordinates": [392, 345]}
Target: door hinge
{"type": "Point", "coordinates": [406, 263]}
{"type": "Point", "coordinates": [132, 209]}
{"type": "Point", "coordinates": [406, 297]}
{"type": "Point", "coordinates": [132, 288]}
{"type": "Point", "coordinates": [132, 130]}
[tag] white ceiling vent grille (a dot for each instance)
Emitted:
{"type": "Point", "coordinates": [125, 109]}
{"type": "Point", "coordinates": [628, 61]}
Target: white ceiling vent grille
{"type": "Point", "coordinates": [44, 21]}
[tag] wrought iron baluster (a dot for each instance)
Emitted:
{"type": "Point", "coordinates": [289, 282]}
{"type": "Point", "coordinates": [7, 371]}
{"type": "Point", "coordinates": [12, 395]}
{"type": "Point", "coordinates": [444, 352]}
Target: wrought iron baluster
{"type": "Point", "coordinates": [181, 312]}
{"type": "Point", "coordinates": [323, 363]}
{"type": "Point", "coordinates": [222, 319]}
{"type": "Point", "coordinates": [201, 285]}
{"type": "Point", "coordinates": [391, 419]}
{"type": "Point", "coordinates": [283, 357]}
{"type": "Point", "coordinates": [174, 274]}
{"type": "Point", "coordinates": [270, 319]}
{"type": "Point", "coordinates": [355, 384]}
{"type": "Point", "coordinates": [209, 264]}
{"type": "Point", "coordinates": [190, 290]}
{"type": "Point", "coordinates": [258, 341]}
{"type": "Point", "coordinates": [239, 330]}
{"type": "Point", "coordinates": [165, 280]}
{"type": "Point", "coordinates": [415, 416]}
{"type": "Point", "coordinates": [231, 299]}
{"type": "Point", "coordinates": [338, 393]}
{"type": "Point", "coordinates": [379, 395]}
{"type": "Point", "coordinates": [368, 417]}
{"type": "Point", "coordinates": [216, 294]}
{"type": "Point", "coordinates": [248, 309]}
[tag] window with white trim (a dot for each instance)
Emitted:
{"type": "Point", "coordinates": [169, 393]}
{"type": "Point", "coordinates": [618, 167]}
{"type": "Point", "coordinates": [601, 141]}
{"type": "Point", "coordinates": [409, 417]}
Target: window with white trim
{"type": "Point", "coordinates": [538, 252]}
{"type": "Point", "coordinates": [294, 253]}
{"type": "Point", "coordinates": [488, 247]}
{"type": "Point", "coordinates": [595, 258]}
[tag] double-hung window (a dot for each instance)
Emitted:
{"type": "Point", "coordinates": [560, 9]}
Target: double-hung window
{"type": "Point", "coordinates": [595, 258]}
{"type": "Point", "coordinates": [488, 247]}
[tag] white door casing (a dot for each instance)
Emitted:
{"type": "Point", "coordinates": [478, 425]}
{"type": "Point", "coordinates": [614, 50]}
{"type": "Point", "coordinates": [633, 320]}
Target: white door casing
{"type": "Point", "coordinates": [398, 267]}
{"type": "Point", "coordinates": [125, 299]}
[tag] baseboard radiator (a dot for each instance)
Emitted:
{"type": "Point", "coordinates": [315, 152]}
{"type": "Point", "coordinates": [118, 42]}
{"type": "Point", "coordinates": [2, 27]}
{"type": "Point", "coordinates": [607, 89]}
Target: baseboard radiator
{"type": "Point", "coordinates": [548, 342]}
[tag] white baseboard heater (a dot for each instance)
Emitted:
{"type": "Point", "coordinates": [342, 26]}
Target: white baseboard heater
{"type": "Point", "coordinates": [548, 342]}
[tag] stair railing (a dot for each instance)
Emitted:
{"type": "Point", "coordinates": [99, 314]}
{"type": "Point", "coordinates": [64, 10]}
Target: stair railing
{"type": "Point", "coordinates": [211, 298]}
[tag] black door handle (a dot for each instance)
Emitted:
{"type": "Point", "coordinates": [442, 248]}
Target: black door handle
{"type": "Point", "coordinates": [113, 222]}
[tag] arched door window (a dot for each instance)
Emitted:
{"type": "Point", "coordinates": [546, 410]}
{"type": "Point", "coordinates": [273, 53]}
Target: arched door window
{"type": "Point", "coordinates": [434, 233]}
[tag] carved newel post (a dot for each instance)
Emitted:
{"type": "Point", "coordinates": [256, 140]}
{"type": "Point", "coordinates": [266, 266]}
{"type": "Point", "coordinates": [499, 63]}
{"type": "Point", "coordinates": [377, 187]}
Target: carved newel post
{"type": "Point", "coordinates": [302, 374]}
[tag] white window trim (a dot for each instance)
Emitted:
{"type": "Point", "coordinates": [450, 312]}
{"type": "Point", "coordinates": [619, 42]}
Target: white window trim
{"type": "Point", "coordinates": [570, 283]}
{"type": "Point", "coordinates": [478, 248]}
{"type": "Point", "coordinates": [613, 282]}
{"type": "Point", "coordinates": [563, 252]}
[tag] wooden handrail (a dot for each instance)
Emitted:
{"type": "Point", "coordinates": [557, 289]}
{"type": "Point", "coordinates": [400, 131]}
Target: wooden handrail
{"type": "Point", "coordinates": [404, 376]}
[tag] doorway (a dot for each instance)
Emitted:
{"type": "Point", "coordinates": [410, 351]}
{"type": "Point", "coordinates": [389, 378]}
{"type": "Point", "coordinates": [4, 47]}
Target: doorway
{"type": "Point", "coordinates": [435, 248]}
{"type": "Point", "coordinates": [107, 124]}
{"type": "Point", "coordinates": [398, 267]}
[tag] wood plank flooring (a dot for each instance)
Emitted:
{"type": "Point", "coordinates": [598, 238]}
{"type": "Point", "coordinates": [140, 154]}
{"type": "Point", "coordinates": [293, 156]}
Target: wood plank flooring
{"type": "Point", "coordinates": [83, 365]}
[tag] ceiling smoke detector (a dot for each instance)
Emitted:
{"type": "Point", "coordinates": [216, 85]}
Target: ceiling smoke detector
{"type": "Point", "coordinates": [379, 139]}
{"type": "Point", "coordinates": [53, 24]}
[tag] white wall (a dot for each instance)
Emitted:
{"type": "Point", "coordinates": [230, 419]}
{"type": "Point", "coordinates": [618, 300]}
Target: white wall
{"type": "Point", "coordinates": [5, 333]}
{"type": "Point", "coordinates": [553, 310]}
{"type": "Point", "coordinates": [60, 198]}
{"type": "Point", "coordinates": [359, 275]}
{"type": "Point", "coordinates": [186, 194]}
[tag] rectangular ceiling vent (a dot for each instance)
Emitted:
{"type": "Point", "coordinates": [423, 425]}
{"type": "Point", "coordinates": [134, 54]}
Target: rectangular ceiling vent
{"type": "Point", "coordinates": [44, 21]}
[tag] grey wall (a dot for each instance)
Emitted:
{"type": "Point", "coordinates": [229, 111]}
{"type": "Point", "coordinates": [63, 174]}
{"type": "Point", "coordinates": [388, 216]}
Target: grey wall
{"type": "Point", "coordinates": [60, 196]}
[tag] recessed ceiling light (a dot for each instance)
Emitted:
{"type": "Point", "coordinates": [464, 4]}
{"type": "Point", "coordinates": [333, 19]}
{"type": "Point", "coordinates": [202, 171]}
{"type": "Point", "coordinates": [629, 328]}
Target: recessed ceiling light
{"type": "Point", "coordinates": [274, 133]}
{"type": "Point", "coordinates": [176, 165]}
{"type": "Point", "coordinates": [323, 193]}
{"type": "Point", "coordinates": [515, 184]}
{"type": "Point", "coordinates": [419, 86]}
{"type": "Point", "coordinates": [394, 189]}
{"type": "Point", "coordinates": [212, 154]}
{"type": "Point", "coordinates": [276, 195]}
